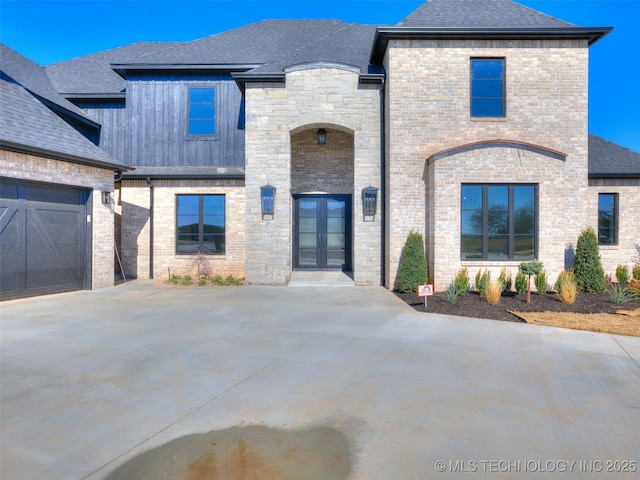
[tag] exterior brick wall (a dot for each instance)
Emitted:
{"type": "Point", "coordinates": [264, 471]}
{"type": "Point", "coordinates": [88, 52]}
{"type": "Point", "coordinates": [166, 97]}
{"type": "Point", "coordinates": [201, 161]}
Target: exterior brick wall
{"type": "Point", "coordinates": [282, 118]}
{"type": "Point", "coordinates": [133, 203]}
{"type": "Point", "coordinates": [627, 252]}
{"type": "Point", "coordinates": [427, 101]}
{"type": "Point", "coordinates": [40, 169]}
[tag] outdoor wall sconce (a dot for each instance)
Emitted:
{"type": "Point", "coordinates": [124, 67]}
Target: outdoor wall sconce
{"type": "Point", "coordinates": [322, 136]}
{"type": "Point", "coordinates": [106, 198]}
{"type": "Point", "coordinates": [267, 200]}
{"type": "Point", "coordinates": [369, 201]}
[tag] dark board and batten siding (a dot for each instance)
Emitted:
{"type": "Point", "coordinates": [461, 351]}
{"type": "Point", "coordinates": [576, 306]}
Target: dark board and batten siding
{"type": "Point", "coordinates": [112, 115]}
{"type": "Point", "coordinates": [157, 119]}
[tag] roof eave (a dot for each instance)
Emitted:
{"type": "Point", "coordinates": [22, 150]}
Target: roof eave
{"type": "Point", "coordinates": [95, 96]}
{"type": "Point", "coordinates": [65, 157]}
{"type": "Point", "coordinates": [384, 34]}
{"type": "Point", "coordinates": [124, 69]}
{"type": "Point", "coordinates": [613, 175]}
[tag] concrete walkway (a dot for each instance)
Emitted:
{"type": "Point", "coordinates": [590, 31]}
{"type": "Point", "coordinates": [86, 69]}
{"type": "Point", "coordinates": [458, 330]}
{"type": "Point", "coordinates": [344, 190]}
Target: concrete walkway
{"type": "Point", "coordinates": [152, 381]}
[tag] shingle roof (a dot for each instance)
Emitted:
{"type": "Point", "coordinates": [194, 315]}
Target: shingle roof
{"type": "Point", "coordinates": [29, 125]}
{"type": "Point", "coordinates": [33, 78]}
{"type": "Point", "coordinates": [92, 74]}
{"type": "Point", "coordinates": [610, 160]}
{"type": "Point", "coordinates": [479, 14]}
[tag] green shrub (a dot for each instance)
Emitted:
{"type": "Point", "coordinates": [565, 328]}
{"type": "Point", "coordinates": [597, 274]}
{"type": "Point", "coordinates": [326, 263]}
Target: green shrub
{"type": "Point", "coordinates": [542, 283]}
{"type": "Point", "coordinates": [506, 279]}
{"type": "Point", "coordinates": [635, 273]}
{"type": "Point", "coordinates": [202, 282]}
{"type": "Point", "coordinates": [521, 283]}
{"type": "Point", "coordinates": [619, 293]}
{"type": "Point", "coordinates": [634, 288]}
{"type": "Point", "coordinates": [186, 280]}
{"type": "Point", "coordinates": [587, 265]}
{"type": "Point", "coordinates": [622, 274]}
{"type": "Point", "coordinates": [174, 279]}
{"type": "Point", "coordinates": [566, 286]}
{"type": "Point", "coordinates": [482, 282]}
{"type": "Point", "coordinates": [413, 266]}
{"type": "Point", "coordinates": [461, 282]}
{"type": "Point", "coordinates": [452, 293]}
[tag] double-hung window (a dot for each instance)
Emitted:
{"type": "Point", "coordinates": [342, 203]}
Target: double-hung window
{"type": "Point", "coordinates": [200, 224]}
{"type": "Point", "coordinates": [608, 218]}
{"type": "Point", "coordinates": [202, 111]}
{"type": "Point", "coordinates": [498, 222]}
{"type": "Point", "coordinates": [488, 87]}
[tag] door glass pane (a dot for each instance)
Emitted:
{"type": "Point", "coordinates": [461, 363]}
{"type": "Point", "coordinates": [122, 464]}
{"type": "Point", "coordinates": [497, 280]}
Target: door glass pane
{"type": "Point", "coordinates": [307, 233]}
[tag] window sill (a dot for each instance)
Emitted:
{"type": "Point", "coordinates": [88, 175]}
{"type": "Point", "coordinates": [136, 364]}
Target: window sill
{"type": "Point", "coordinates": [488, 119]}
{"type": "Point", "coordinates": [608, 247]}
{"type": "Point", "coordinates": [491, 263]}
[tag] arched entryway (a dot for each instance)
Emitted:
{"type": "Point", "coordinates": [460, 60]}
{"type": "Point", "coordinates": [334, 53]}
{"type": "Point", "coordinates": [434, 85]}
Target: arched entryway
{"type": "Point", "coordinates": [322, 177]}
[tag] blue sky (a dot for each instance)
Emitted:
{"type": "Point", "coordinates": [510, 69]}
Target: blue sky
{"type": "Point", "coordinates": [50, 31]}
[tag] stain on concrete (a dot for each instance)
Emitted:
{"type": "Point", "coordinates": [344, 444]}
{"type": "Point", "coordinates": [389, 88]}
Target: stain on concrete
{"type": "Point", "coordinates": [251, 452]}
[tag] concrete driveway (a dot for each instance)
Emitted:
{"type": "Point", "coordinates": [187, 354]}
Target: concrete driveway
{"type": "Point", "coordinates": [151, 381]}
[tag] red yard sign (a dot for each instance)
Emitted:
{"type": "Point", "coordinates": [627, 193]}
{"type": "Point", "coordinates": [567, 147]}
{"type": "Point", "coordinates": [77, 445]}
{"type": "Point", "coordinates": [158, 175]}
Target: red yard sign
{"type": "Point", "coordinates": [425, 290]}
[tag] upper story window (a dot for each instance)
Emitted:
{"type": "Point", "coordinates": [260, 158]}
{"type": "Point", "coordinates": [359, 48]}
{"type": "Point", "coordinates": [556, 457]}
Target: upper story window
{"type": "Point", "coordinates": [202, 111]}
{"type": "Point", "coordinates": [488, 87]}
{"type": "Point", "coordinates": [498, 222]}
{"type": "Point", "coordinates": [608, 218]}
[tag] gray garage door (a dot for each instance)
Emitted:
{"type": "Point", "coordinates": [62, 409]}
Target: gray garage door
{"type": "Point", "coordinates": [44, 237]}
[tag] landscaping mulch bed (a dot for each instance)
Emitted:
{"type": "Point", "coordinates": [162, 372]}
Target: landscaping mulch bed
{"type": "Point", "coordinates": [472, 305]}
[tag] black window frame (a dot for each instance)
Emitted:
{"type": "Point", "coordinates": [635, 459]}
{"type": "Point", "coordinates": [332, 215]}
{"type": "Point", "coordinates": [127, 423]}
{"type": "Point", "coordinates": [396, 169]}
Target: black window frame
{"type": "Point", "coordinates": [511, 235]}
{"type": "Point", "coordinates": [214, 119]}
{"type": "Point", "coordinates": [615, 214]}
{"type": "Point", "coordinates": [503, 92]}
{"type": "Point", "coordinates": [201, 234]}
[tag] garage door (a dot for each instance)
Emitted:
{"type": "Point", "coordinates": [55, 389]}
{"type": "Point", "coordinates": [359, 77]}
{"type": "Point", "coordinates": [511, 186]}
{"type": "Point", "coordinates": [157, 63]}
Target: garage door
{"type": "Point", "coordinates": [44, 237]}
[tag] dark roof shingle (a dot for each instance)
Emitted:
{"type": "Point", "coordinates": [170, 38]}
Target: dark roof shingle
{"type": "Point", "coordinates": [610, 160]}
{"type": "Point", "coordinates": [479, 14]}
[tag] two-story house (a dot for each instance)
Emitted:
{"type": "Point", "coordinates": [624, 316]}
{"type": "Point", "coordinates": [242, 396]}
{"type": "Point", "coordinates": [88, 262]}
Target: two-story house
{"type": "Point", "coordinates": [316, 144]}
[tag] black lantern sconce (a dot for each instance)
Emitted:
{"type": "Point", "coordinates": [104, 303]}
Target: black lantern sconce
{"type": "Point", "coordinates": [369, 202]}
{"type": "Point", "coordinates": [106, 198]}
{"type": "Point", "coordinates": [322, 136]}
{"type": "Point", "coordinates": [268, 200]}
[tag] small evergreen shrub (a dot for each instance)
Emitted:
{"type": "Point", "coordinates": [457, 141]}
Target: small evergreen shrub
{"type": "Point", "coordinates": [635, 273]}
{"type": "Point", "coordinates": [521, 283]}
{"type": "Point", "coordinates": [619, 293]}
{"type": "Point", "coordinates": [413, 266]}
{"type": "Point", "coordinates": [452, 293]}
{"type": "Point", "coordinates": [494, 292]}
{"type": "Point", "coordinates": [506, 279]}
{"type": "Point", "coordinates": [587, 264]}
{"type": "Point", "coordinates": [461, 282]}
{"type": "Point", "coordinates": [566, 286]}
{"type": "Point", "coordinates": [634, 288]}
{"type": "Point", "coordinates": [542, 283]}
{"type": "Point", "coordinates": [622, 274]}
{"type": "Point", "coordinates": [482, 282]}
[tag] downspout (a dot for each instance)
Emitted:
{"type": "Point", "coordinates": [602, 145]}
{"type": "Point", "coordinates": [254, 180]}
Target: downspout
{"type": "Point", "coordinates": [150, 228]}
{"type": "Point", "coordinates": [383, 186]}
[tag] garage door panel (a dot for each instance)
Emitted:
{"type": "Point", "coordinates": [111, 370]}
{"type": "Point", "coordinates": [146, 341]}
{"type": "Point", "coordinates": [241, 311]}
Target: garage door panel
{"type": "Point", "coordinates": [8, 243]}
{"type": "Point", "coordinates": [46, 248]}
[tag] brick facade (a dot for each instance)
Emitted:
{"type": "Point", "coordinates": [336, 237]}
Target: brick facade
{"type": "Point", "coordinates": [96, 180]}
{"type": "Point", "coordinates": [132, 203]}
{"type": "Point", "coordinates": [428, 97]}
{"type": "Point", "coordinates": [281, 120]}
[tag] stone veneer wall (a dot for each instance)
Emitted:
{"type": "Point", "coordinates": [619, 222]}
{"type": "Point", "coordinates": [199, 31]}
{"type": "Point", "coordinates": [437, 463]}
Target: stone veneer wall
{"type": "Point", "coordinates": [40, 169]}
{"type": "Point", "coordinates": [133, 204]}
{"type": "Point", "coordinates": [427, 103]}
{"type": "Point", "coordinates": [627, 251]}
{"type": "Point", "coordinates": [313, 97]}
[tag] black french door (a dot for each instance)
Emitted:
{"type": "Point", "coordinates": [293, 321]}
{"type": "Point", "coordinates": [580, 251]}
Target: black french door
{"type": "Point", "coordinates": [322, 232]}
